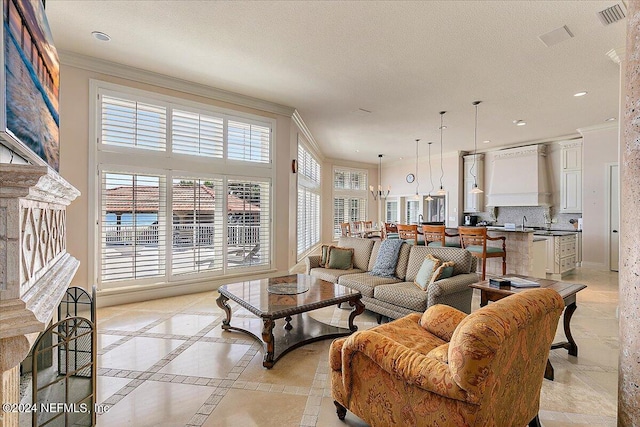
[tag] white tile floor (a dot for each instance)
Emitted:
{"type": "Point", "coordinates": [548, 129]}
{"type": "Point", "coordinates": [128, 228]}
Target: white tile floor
{"type": "Point", "coordinates": [167, 363]}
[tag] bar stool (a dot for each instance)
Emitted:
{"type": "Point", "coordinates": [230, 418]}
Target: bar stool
{"type": "Point", "coordinates": [409, 233]}
{"type": "Point", "coordinates": [474, 239]}
{"type": "Point", "coordinates": [435, 235]}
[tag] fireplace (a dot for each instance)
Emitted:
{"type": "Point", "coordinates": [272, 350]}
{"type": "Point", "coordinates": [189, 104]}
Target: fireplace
{"type": "Point", "coordinates": [35, 268]}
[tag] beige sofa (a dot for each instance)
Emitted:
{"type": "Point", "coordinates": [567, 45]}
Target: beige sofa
{"type": "Point", "coordinates": [399, 296]}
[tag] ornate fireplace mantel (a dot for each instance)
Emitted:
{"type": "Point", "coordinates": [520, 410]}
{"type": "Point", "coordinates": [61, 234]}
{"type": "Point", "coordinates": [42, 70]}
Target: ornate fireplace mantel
{"type": "Point", "coordinates": [35, 268]}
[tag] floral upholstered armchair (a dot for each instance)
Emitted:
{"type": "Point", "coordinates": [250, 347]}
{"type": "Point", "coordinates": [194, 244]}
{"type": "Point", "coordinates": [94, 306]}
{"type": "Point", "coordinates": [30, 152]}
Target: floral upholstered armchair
{"type": "Point", "coordinates": [446, 368]}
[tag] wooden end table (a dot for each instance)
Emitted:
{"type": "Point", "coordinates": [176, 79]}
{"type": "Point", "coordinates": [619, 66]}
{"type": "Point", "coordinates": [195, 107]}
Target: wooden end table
{"type": "Point", "coordinates": [566, 290]}
{"type": "Point", "coordinates": [299, 328]}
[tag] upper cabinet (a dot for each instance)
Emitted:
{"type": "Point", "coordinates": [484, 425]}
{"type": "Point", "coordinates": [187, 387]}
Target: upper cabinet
{"type": "Point", "coordinates": [473, 202]}
{"type": "Point", "coordinates": [571, 177]}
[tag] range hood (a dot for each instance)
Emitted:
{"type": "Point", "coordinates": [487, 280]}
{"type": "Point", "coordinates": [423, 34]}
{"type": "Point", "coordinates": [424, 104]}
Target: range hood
{"type": "Point", "coordinates": [519, 177]}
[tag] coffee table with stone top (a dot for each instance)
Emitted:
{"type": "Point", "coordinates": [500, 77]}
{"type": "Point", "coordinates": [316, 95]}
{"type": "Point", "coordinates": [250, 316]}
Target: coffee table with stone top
{"type": "Point", "coordinates": [290, 298]}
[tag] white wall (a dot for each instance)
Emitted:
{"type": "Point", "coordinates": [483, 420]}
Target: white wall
{"type": "Point", "coordinates": [395, 173]}
{"type": "Point", "coordinates": [599, 149]}
{"type": "Point", "coordinates": [75, 140]}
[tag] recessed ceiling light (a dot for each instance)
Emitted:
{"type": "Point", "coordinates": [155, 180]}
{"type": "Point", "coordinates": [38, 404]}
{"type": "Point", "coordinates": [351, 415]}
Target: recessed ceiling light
{"type": "Point", "coordinates": [610, 119]}
{"type": "Point", "coordinates": [486, 141]}
{"type": "Point", "coordinates": [103, 37]}
{"type": "Point", "coordinates": [583, 93]}
{"type": "Point", "coordinates": [357, 151]}
{"type": "Point", "coordinates": [519, 122]}
{"type": "Point", "coordinates": [400, 158]}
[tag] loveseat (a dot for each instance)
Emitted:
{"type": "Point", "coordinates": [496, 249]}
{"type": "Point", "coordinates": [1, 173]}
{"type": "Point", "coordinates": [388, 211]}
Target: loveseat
{"type": "Point", "coordinates": [398, 296]}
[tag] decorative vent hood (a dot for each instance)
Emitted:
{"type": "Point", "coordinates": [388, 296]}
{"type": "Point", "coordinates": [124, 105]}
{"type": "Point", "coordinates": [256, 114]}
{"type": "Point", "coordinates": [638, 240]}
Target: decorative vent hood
{"type": "Point", "coordinates": [519, 177]}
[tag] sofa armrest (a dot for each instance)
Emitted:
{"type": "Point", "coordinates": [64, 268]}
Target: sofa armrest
{"type": "Point", "coordinates": [399, 361]}
{"type": "Point", "coordinates": [452, 285]}
{"type": "Point", "coordinates": [441, 320]}
{"type": "Point", "coordinates": [312, 261]}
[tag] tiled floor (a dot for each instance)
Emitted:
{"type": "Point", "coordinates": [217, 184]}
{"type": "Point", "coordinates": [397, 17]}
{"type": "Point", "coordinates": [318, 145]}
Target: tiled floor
{"type": "Point", "coordinates": [168, 363]}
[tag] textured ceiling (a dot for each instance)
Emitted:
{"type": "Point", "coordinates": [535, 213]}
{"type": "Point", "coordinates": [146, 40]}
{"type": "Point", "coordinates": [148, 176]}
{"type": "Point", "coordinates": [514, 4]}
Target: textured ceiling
{"type": "Point", "coordinates": [403, 61]}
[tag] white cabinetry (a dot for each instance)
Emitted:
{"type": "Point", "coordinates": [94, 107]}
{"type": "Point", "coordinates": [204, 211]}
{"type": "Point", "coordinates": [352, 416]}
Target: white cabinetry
{"type": "Point", "coordinates": [473, 202]}
{"type": "Point", "coordinates": [562, 254]}
{"type": "Point", "coordinates": [571, 177]}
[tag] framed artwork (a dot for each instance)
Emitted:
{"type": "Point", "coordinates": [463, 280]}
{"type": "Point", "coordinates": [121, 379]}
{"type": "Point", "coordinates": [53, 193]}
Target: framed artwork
{"type": "Point", "coordinates": [29, 83]}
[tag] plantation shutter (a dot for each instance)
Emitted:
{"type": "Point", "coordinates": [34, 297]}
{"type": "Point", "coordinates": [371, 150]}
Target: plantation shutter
{"type": "Point", "coordinates": [350, 197]}
{"type": "Point", "coordinates": [197, 134]}
{"type": "Point", "coordinates": [248, 142]}
{"type": "Point", "coordinates": [308, 210]}
{"type": "Point", "coordinates": [248, 223]}
{"type": "Point", "coordinates": [133, 226]}
{"type": "Point", "coordinates": [135, 124]}
{"type": "Point", "coordinates": [197, 226]}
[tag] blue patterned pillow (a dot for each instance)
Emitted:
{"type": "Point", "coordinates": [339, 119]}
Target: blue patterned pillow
{"type": "Point", "coordinates": [387, 259]}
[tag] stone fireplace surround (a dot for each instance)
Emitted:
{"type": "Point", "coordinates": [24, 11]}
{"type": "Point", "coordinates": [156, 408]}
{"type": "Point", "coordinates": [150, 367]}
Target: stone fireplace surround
{"type": "Point", "coordinates": [35, 268]}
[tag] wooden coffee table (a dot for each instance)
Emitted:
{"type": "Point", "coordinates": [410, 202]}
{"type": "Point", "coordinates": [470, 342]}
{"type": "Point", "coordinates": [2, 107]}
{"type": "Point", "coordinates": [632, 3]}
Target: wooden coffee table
{"type": "Point", "coordinates": [566, 290]}
{"type": "Point", "coordinates": [291, 303]}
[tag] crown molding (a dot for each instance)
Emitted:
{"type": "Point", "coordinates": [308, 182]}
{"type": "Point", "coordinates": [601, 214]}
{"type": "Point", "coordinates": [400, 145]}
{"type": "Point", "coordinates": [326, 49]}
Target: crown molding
{"type": "Point", "coordinates": [603, 126]}
{"type": "Point", "coordinates": [297, 119]}
{"type": "Point", "coordinates": [131, 73]}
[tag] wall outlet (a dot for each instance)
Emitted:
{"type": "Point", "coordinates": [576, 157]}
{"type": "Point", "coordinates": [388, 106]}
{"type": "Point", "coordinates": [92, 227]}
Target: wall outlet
{"type": "Point", "coordinates": [554, 220]}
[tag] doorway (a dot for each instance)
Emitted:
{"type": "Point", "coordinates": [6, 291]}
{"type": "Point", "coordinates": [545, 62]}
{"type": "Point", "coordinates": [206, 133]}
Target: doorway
{"type": "Point", "coordinates": [614, 217]}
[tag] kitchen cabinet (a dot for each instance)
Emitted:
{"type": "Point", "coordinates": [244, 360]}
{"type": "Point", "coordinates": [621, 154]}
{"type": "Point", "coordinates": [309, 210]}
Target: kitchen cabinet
{"type": "Point", "coordinates": [562, 254]}
{"type": "Point", "coordinates": [539, 258]}
{"type": "Point", "coordinates": [473, 202]}
{"type": "Point", "coordinates": [571, 177]}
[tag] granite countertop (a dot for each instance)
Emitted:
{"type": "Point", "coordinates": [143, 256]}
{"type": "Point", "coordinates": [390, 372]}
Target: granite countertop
{"type": "Point", "coordinates": [553, 233]}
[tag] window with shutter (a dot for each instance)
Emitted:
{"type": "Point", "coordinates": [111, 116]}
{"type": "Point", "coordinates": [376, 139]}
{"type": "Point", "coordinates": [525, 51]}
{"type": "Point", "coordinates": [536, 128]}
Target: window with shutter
{"type": "Point", "coordinates": [157, 225]}
{"type": "Point", "coordinates": [308, 219]}
{"type": "Point", "coordinates": [392, 211]}
{"type": "Point", "coordinates": [349, 197]}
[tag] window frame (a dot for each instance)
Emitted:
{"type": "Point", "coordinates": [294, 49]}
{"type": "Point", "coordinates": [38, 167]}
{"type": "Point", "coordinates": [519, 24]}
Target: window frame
{"type": "Point", "coordinates": [347, 195]}
{"type": "Point", "coordinates": [119, 159]}
{"type": "Point", "coordinates": [308, 185]}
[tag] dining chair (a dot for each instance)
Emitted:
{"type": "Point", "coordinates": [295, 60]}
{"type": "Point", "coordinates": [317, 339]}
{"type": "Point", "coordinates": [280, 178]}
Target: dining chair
{"type": "Point", "coordinates": [390, 231]}
{"type": "Point", "coordinates": [435, 235]}
{"type": "Point", "coordinates": [409, 233]}
{"type": "Point", "coordinates": [474, 239]}
{"type": "Point", "coordinates": [345, 229]}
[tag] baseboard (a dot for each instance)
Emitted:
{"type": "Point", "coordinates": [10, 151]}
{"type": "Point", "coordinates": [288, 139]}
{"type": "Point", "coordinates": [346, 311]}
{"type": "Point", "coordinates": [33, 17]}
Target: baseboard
{"type": "Point", "coordinates": [118, 296]}
{"type": "Point", "coordinates": [594, 265]}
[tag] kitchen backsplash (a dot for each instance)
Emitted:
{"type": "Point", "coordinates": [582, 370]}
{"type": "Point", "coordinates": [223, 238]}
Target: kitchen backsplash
{"type": "Point", "coordinates": [535, 217]}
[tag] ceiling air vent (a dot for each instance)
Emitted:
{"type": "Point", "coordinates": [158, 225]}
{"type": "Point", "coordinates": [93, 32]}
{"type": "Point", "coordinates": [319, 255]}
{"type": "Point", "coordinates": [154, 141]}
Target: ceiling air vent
{"type": "Point", "coordinates": [612, 14]}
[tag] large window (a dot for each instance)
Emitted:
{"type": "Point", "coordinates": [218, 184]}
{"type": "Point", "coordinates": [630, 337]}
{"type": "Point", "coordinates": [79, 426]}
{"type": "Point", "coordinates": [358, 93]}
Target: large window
{"type": "Point", "coordinates": [413, 210]}
{"type": "Point", "coordinates": [184, 189]}
{"type": "Point", "coordinates": [308, 220]}
{"type": "Point", "coordinates": [349, 197]}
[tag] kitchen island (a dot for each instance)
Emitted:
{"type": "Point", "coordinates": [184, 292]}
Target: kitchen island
{"type": "Point", "coordinates": [520, 252]}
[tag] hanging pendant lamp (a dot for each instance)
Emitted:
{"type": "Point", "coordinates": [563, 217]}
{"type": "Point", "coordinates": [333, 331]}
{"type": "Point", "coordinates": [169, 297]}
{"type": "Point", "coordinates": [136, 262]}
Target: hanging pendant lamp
{"type": "Point", "coordinates": [417, 196]}
{"type": "Point", "coordinates": [441, 191]}
{"type": "Point", "coordinates": [429, 198]}
{"type": "Point", "coordinates": [475, 189]}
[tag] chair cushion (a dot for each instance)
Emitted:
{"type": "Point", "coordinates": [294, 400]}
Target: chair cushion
{"type": "Point", "coordinates": [404, 294]}
{"type": "Point", "coordinates": [478, 249]}
{"type": "Point", "coordinates": [340, 258]}
{"type": "Point", "coordinates": [365, 282]}
{"type": "Point", "coordinates": [387, 258]}
{"type": "Point", "coordinates": [426, 272]}
{"type": "Point", "coordinates": [447, 244]}
{"type": "Point", "coordinates": [330, 274]}
{"type": "Point", "coordinates": [409, 333]}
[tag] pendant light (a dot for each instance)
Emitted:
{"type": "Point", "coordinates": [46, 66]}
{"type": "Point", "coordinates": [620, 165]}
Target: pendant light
{"type": "Point", "coordinates": [441, 191]}
{"type": "Point", "coordinates": [475, 189]}
{"type": "Point", "coordinates": [429, 198]}
{"type": "Point", "coordinates": [417, 196]}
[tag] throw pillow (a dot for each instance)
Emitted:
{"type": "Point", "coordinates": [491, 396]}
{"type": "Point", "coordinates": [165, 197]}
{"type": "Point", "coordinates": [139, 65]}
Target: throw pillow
{"type": "Point", "coordinates": [340, 258]}
{"type": "Point", "coordinates": [387, 259]}
{"type": "Point", "coordinates": [325, 255]}
{"type": "Point", "coordinates": [428, 267]}
{"type": "Point", "coordinates": [443, 272]}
